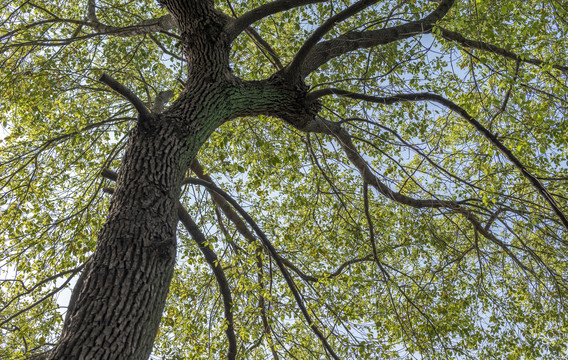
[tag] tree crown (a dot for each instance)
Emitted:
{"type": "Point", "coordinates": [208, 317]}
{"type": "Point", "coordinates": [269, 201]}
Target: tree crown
{"type": "Point", "coordinates": [401, 170]}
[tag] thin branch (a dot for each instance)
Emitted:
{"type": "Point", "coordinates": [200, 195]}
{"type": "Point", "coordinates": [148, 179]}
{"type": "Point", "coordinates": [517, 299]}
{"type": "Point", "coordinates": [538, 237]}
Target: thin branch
{"type": "Point", "coordinates": [163, 48]}
{"type": "Point", "coordinates": [372, 230]}
{"type": "Point", "coordinates": [260, 43]}
{"type": "Point", "coordinates": [533, 180]}
{"type": "Point", "coordinates": [47, 296]}
{"type": "Point", "coordinates": [76, 291]}
{"type": "Point", "coordinates": [35, 152]}
{"type": "Point", "coordinates": [161, 24]}
{"type": "Point", "coordinates": [503, 107]}
{"type": "Point", "coordinates": [264, 47]}
{"type": "Point", "coordinates": [222, 282]}
{"type": "Point", "coordinates": [266, 327]}
{"type": "Point", "coordinates": [484, 46]}
{"type": "Point", "coordinates": [322, 171]}
{"type": "Point", "coordinates": [39, 284]}
{"type": "Point", "coordinates": [274, 253]}
{"type": "Point", "coordinates": [333, 274]}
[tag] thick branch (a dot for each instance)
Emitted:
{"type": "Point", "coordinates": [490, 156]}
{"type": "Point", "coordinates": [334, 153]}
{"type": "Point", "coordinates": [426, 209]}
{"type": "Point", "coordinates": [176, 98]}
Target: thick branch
{"type": "Point", "coordinates": [348, 42]}
{"type": "Point", "coordinates": [161, 100]}
{"type": "Point", "coordinates": [91, 11]}
{"type": "Point", "coordinates": [186, 10]}
{"type": "Point", "coordinates": [127, 94]}
{"type": "Point", "coordinates": [318, 34]}
{"type": "Point", "coordinates": [163, 23]}
{"type": "Point", "coordinates": [238, 25]}
{"type": "Point", "coordinates": [533, 180]}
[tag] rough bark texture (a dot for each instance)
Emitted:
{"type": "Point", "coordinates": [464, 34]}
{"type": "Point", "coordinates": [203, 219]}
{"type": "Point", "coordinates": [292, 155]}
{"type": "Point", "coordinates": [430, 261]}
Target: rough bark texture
{"type": "Point", "coordinates": [119, 302]}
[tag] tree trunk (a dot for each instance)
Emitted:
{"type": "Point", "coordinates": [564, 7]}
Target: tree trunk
{"type": "Point", "coordinates": [119, 305]}
{"type": "Point", "coordinates": [119, 301]}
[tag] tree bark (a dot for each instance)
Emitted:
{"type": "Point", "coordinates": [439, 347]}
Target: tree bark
{"type": "Point", "coordinates": [119, 301]}
{"type": "Point", "coordinates": [119, 305]}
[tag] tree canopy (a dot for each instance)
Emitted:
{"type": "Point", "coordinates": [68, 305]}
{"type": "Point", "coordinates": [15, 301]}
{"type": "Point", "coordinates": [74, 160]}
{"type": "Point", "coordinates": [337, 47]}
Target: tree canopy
{"type": "Point", "coordinates": [410, 201]}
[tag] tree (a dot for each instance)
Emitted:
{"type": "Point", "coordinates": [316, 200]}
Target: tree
{"type": "Point", "coordinates": [289, 179]}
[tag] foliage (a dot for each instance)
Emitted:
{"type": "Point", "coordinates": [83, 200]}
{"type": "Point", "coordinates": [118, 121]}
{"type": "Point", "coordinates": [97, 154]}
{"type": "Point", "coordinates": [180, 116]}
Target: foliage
{"type": "Point", "coordinates": [382, 279]}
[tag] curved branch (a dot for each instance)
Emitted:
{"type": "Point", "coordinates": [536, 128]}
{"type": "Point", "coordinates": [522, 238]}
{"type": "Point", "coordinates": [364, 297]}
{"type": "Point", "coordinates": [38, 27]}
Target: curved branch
{"type": "Point", "coordinates": [34, 153]}
{"type": "Point", "coordinates": [260, 43]}
{"type": "Point", "coordinates": [327, 50]}
{"type": "Point", "coordinates": [39, 284]}
{"type": "Point", "coordinates": [245, 232]}
{"type": "Point", "coordinates": [47, 296]}
{"type": "Point", "coordinates": [264, 47]}
{"type": "Point", "coordinates": [161, 24]}
{"type": "Point", "coordinates": [533, 180]}
{"type": "Point", "coordinates": [76, 291]}
{"type": "Point", "coordinates": [127, 94]}
{"type": "Point", "coordinates": [274, 253]}
{"type": "Point", "coordinates": [223, 204]}
{"type": "Point", "coordinates": [416, 150]}
{"type": "Point", "coordinates": [372, 230]}
{"type": "Point", "coordinates": [480, 45]}
{"type": "Point", "coordinates": [293, 68]}
{"type": "Point", "coordinates": [322, 126]}
{"type": "Point", "coordinates": [319, 125]}
{"type": "Point", "coordinates": [240, 24]}
{"type": "Point", "coordinates": [337, 272]}
{"type": "Point", "coordinates": [214, 263]}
